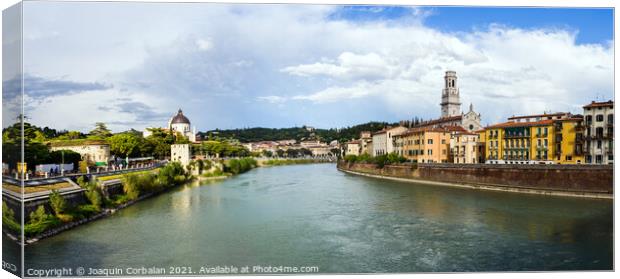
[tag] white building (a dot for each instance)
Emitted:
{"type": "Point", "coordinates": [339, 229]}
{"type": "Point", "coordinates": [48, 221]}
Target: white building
{"type": "Point", "coordinates": [466, 148]}
{"type": "Point", "coordinates": [383, 141]}
{"type": "Point", "coordinates": [96, 152]}
{"type": "Point", "coordinates": [353, 148]}
{"type": "Point", "coordinates": [180, 153]}
{"type": "Point", "coordinates": [599, 132]}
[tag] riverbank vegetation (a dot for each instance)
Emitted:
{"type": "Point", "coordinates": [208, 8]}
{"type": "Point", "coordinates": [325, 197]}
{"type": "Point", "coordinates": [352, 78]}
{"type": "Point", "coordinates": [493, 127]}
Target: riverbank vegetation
{"type": "Point", "coordinates": [237, 166]}
{"type": "Point", "coordinates": [380, 161]}
{"type": "Point", "coordinates": [135, 186]}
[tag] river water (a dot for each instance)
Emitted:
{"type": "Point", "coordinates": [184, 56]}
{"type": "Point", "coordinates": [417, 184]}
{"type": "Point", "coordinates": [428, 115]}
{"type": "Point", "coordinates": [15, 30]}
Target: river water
{"type": "Point", "coordinates": [314, 215]}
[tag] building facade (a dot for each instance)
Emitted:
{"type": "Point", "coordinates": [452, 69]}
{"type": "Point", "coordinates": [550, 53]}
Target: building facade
{"type": "Point", "coordinates": [424, 145]}
{"type": "Point", "coordinates": [353, 148]}
{"type": "Point", "coordinates": [95, 152]}
{"type": "Point", "coordinates": [536, 139]}
{"type": "Point", "coordinates": [365, 142]}
{"type": "Point", "coordinates": [599, 132]}
{"type": "Point", "coordinates": [465, 148]}
{"type": "Point", "coordinates": [383, 141]}
{"type": "Point", "coordinates": [180, 153]}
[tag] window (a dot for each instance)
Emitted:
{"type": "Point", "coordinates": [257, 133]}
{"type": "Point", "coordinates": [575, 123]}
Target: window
{"type": "Point", "coordinates": [599, 118]}
{"type": "Point", "coordinates": [546, 142]}
{"type": "Point", "coordinates": [569, 158]}
{"type": "Point", "coordinates": [430, 141]}
{"type": "Point", "coordinates": [599, 132]}
{"type": "Point", "coordinates": [443, 141]}
{"type": "Point", "coordinates": [430, 152]}
{"type": "Point", "coordinates": [610, 118]}
{"type": "Point", "coordinates": [598, 144]}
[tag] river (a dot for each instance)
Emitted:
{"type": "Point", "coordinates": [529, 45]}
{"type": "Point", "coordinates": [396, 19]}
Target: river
{"type": "Point", "coordinates": [314, 215]}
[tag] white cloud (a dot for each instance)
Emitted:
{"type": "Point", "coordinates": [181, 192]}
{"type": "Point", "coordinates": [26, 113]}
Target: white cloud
{"type": "Point", "coordinates": [349, 66]}
{"type": "Point", "coordinates": [312, 68]}
{"type": "Point", "coordinates": [272, 99]}
{"type": "Point", "coordinates": [204, 44]}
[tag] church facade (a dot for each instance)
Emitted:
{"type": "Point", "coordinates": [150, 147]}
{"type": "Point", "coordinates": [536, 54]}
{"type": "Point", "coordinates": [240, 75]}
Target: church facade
{"type": "Point", "coordinates": [451, 113]}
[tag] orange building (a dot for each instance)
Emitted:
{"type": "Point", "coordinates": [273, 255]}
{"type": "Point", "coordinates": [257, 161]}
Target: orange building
{"type": "Point", "coordinates": [424, 145]}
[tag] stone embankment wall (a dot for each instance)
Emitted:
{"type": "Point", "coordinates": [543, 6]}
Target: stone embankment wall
{"type": "Point", "coordinates": [573, 180]}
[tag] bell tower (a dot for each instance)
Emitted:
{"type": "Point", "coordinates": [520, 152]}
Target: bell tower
{"type": "Point", "coordinates": [450, 101]}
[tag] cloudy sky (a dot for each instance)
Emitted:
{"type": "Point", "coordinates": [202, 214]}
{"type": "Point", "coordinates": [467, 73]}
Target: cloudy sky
{"type": "Point", "coordinates": [132, 65]}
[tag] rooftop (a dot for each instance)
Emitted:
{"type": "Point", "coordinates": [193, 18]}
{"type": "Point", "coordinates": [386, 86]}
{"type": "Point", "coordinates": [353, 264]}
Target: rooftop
{"type": "Point", "coordinates": [521, 124]}
{"type": "Point", "coordinates": [540, 115]}
{"type": "Point", "coordinates": [594, 104]}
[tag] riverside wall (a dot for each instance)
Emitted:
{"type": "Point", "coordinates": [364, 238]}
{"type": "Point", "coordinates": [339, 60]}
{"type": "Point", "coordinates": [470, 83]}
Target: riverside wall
{"type": "Point", "coordinates": [594, 181]}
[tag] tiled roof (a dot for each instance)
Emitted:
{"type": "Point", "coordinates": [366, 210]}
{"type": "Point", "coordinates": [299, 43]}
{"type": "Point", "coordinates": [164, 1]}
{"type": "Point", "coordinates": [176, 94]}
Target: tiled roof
{"type": "Point", "coordinates": [440, 120]}
{"type": "Point", "coordinates": [425, 129]}
{"type": "Point", "coordinates": [539, 115]}
{"type": "Point", "coordinates": [521, 124]}
{"type": "Point", "coordinates": [599, 104]}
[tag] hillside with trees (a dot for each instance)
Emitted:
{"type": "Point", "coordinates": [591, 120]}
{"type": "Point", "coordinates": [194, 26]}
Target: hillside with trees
{"type": "Point", "coordinates": [297, 133]}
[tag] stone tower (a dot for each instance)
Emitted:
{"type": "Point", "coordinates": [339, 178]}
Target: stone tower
{"type": "Point", "coordinates": [450, 101]}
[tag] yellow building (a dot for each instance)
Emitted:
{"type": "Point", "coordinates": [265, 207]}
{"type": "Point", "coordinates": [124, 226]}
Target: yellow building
{"type": "Point", "coordinates": [556, 139]}
{"type": "Point", "coordinates": [569, 141]}
{"type": "Point", "coordinates": [424, 145]}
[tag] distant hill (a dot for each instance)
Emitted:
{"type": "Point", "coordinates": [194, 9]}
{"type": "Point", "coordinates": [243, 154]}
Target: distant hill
{"type": "Point", "coordinates": [297, 133]}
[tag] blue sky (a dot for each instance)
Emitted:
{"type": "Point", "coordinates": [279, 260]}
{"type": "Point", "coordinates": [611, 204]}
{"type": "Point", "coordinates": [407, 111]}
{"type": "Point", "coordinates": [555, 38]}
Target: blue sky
{"type": "Point", "coordinates": [132, 65]}
{"type": "Point", "coordinates": [594, 25]}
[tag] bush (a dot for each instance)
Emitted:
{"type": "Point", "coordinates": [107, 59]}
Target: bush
{"type": "Point", "coordinates": [237, 166]}
{"type": "Point", "coordinates": [131, 186]}
{"type": "Point", "coordinates": [350, 158]}
{"type": "Point", "coordinates": [85, 211]}
{"type": "Point", "coordinates": [94, 196]}
{"type": "Point", "coordinates": [364, 158]}
{"type": "Point", "coordinates": [168, 175]}
{"type": "Point", "coordinates": [380, 160]}
{"type": "Point", "coordinates": [39, 222]}
{"type": "Point", "coordinates": [394, 158]}
{"type": "Point", "coordinates": [8, 218]}
{"type": "Point", "coordinates": [57, 202]}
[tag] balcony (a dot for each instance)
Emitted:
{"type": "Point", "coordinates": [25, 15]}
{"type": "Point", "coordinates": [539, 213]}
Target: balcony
{"type": "Point", "coordinates": [579, 127]}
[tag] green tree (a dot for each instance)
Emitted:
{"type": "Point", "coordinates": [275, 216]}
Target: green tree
{"type": "Point", "coordinates": [124, 144]}
{"type": "Point", "coordinates": [57, 202]}
{"type": "Point", "coordinates": [93, 194]}
{"type": "Point", "coordinates": [71, 135]}
{"type": "Point", "coordinates": [39, 215]}
{"type": "Point", "coordinates": [100, 131]}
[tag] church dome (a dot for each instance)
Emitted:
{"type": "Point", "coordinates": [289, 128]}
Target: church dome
{"type": "Point", "coordinates": [179, 118]}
